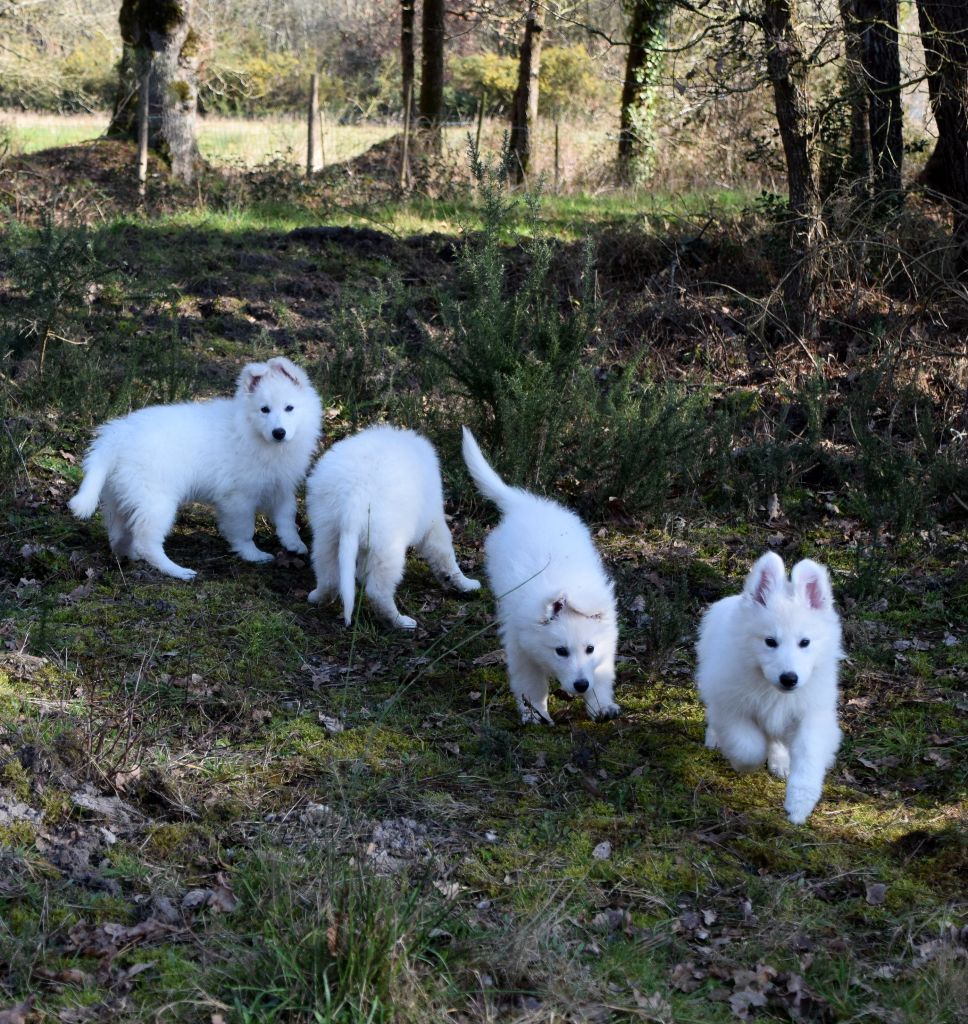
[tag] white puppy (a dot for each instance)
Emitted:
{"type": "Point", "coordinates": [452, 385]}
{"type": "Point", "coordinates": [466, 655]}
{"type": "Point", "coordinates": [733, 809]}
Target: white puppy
{"type": "Point", "coordinates": [240, 454]}
{"type": "Point", "coordinates": [767, 673]}
{"type": "Point", "coordinates": [369, 498]}
{"type": "Point", "coordinates": [555, 603]}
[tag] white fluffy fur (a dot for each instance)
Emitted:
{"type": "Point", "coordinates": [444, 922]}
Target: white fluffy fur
{"type": "Point", "coordinates": [555, 603]}
{"type": "Point", "coordinates": [369, 498]}
{"type": "Point", "coordinates": [775, 703]}
{"type": "Point", "coordinates": [228, 452]}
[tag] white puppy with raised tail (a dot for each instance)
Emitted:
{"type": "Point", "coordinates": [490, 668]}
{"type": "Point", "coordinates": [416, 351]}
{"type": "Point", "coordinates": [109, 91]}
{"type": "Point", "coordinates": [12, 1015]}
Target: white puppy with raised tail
{"type": "Point", "coordinates": [555, 602]}
{"type": "Point", "coordinates": [767, 672]}
{"type": "Point", "coordinates": [369, 498]}
{"type": "Point", "coordinates": [242, 454]}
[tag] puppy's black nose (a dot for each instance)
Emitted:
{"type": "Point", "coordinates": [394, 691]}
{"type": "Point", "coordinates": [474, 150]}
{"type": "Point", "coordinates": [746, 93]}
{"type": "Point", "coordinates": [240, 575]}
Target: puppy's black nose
{"type": "Point", "coordinates": [279, 433]}
{"type": "Point", "coordinates": [788, 680]}
{"type": "Point", "coordinates": [581, 685]}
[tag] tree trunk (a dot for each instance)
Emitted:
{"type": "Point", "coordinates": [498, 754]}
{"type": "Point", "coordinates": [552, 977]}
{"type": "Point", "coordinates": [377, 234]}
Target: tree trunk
{"type": "Point", "coordinates": [944, 35]}
{"type": "Point", "coordinates": [882, 74]}
{"type": "Point", "coordinates": [643, 65]}
{"type": "Point", "coordinates": [407, 64]}
{"type": "Point", "coordinates": [524, 110]}
{"type": "Point", "coordinates": [157, 35]}
{"type": "Point", "coordinates": [859, 158]}
{"type": "Point", "coordinates": [432, 73]}
{"type": "Point", "coordinates": [874, 83]}
{"type": "Point", "coordinates": [787, 71]}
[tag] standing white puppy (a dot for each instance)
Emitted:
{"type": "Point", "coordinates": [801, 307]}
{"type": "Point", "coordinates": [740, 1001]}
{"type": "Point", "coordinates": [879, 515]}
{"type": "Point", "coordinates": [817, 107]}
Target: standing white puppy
{"type": "Point", "coordinates": [369, 498]}
{"type": "Point", "coordinates": [767, 673]}
{"type": "Point", "coordinates": [242, 455]}
{"type": "Point", "coordinates": [555, 603]}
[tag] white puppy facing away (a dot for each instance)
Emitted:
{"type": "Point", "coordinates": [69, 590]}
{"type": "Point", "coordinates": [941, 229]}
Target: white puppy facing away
{"type": "Point", "coordinates": [767, 673]}
{"type": "Point", "coordinates": [241, 454]}
{"type": "Point", "coordinates": [369, 498]}
{"type": "Point", "coordinates": [555, 603]}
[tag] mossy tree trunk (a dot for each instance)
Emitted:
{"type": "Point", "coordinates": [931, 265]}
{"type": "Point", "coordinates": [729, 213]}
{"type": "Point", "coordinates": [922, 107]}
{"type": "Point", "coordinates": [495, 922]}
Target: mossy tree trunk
{"type": "Point", "coordinates": [431, 109]}
{"type": "Point", "coordinates": [944, 35]}
{"type": "Point", "coordinates": [524, 109]}
{"type": "Point", "coordinates": [648, 21]}
{"type": "Point", "coordinates": [787, 71]}
{"type": "Point", "coordinates": [157, 36]}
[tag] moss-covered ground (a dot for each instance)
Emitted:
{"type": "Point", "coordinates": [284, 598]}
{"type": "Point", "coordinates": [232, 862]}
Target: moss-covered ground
{"type": "Point", "coordinates": [219, 804]}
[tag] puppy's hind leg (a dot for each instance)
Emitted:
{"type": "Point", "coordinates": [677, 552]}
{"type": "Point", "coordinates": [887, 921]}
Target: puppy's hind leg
{"type": "Point", "coordinates": [148, 540]}
{"type": "Point", "coordinates": [437, 547]}
{"type": "Point", "coordinates": [529, 684]}
{"type": "Point", "coordinates": [116, 523]}
{"type": "Point", "coordinates": [325, 563]}
{"type": "Point", "coordinates": [382, 572]}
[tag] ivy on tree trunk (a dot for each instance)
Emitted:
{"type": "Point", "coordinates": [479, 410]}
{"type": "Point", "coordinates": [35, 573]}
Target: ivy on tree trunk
{"type": "Point", "coordinates": [157, 36]}
{"type": "Point", "coordinates": [643, 66]}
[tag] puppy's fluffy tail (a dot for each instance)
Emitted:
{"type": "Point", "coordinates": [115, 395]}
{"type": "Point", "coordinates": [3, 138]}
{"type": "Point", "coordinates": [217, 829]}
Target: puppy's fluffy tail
{"type": "Point", "coordinates": [97, 466]}
{"type": "Point", "coordinates": [488, 482]}
{"type": "Point", "coordinates": [349, 546]}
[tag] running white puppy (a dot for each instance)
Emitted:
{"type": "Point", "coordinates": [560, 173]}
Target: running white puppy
{"type": "Point", "coordinates": [369, 498]}
{"type": "Point", "coordinates": [555, 603]}
{"type": "Point", "coordinates": [240, 454]}
{"type": "Point", "coordinates": [767, 673]}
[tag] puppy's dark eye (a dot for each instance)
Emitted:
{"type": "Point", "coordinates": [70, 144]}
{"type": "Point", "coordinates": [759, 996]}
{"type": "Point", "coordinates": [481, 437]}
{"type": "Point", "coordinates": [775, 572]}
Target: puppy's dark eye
{"type": "Point", "coordinates": [771, 642]}
{"type": "Point", "coordinates": [562, 652]}
{"type": "Point", "coordinates": [590, 649]}
{"type": "Point", "coordinates": [265, 408]}
{"type": "Point", "coordinates": [288, 408]}
{"type": "Point", "coordinates": [805, 642]}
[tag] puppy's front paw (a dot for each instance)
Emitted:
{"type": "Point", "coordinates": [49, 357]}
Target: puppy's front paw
{"type": "Point", "coordinates": [315, 596]}
{"type": "Point", "coordinates": [183, 574]}
{"type": "Point", "coordinates": [531, 716]}
{"type": "Point", "coordinates": [405, 622]}
{"type": "Point", "coordinates": [605, 712]}
{"type": "Point", "coordinates": [254, 554]}
{"type": "Point", "coordinates": [295, 546]}
{"type": "Point", "coordinates": [466, 585]}
{"type": "Point", "coordinates": [798, 805]}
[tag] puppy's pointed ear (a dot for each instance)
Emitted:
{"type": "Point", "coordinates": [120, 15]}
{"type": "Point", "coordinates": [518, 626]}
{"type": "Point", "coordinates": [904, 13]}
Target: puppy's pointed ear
{"type": "Point", "coordinates": [811, 582]}
{"type": "Point", "coordinates": [554, 607]}
{"type": "Point", "coordinates": [281, 365]}
{"type": "Point", "coordinates": [250, 376]}
{"type": "Point", "coordinates": [765, 578]}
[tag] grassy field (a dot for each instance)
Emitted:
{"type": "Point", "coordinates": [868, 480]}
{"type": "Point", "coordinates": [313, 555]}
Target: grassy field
{"type": "Point", "coordinates": [218, 804]}
{"type": "Point", "coordinates": [249, 142]}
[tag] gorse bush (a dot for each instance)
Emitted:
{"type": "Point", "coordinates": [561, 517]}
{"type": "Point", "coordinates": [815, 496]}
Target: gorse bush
{"type": "Point", "coordinates": [523, 355]}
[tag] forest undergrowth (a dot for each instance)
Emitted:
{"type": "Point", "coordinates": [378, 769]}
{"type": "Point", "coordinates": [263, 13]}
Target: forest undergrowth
{"type": "Point", "coordinates": [217, 803]}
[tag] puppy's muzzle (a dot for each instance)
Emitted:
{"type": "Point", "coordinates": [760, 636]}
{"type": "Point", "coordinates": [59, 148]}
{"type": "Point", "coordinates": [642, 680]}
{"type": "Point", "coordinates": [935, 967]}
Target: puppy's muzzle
{"type": "Point", "coordinates": [279, 433]}
{"type": "Point", "coordinates": [580, 685]}
{"type": "Point", "coordinates": [788, 680]}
